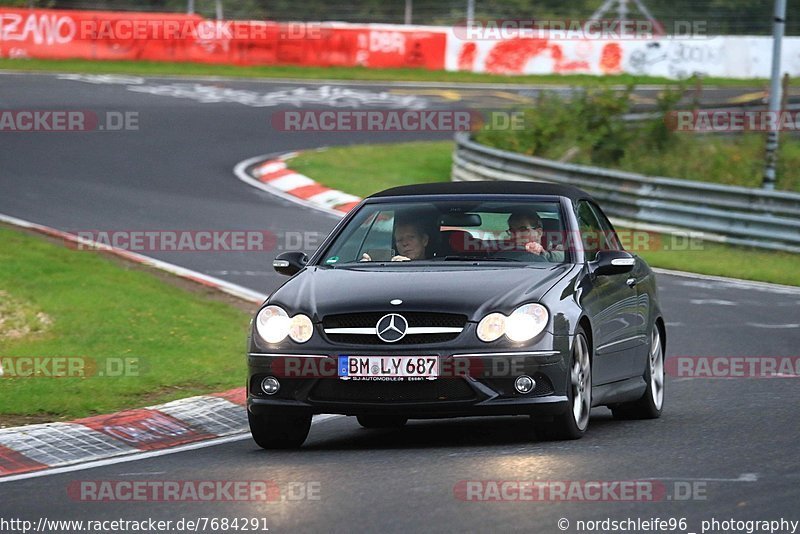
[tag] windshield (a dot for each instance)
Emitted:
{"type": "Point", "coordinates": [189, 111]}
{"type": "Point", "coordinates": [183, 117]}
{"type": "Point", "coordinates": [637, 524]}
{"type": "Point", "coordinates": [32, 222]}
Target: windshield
{"type": "Point", "coordinates": [452, 231]}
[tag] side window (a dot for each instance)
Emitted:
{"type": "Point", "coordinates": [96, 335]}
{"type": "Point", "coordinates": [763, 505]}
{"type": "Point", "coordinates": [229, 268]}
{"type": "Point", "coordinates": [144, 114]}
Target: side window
{"type": "Point", "coordinates": [373, 235]}
{"type": "Point", "coordinates": [348, 251]}
{"type": "Point", "coordinates": [378, 242]}
{"type": "Point", "coordinates": [591, 232]}
{"type": "Point", "coordinates": [611, 238]}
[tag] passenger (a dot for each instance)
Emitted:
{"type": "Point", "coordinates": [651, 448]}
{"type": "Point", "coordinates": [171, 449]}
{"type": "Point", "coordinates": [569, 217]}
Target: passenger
{"type": "Point", "coordinates": [526, 230]}
{"type": "Point", "coordinates": [412, 241]}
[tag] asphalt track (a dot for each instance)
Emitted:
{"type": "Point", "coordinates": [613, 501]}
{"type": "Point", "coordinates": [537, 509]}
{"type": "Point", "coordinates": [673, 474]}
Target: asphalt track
{"type": "Point", "coordinates": [736, 440]}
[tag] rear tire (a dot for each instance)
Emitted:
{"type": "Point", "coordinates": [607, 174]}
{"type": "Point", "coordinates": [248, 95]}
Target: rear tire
{"type": "Point", "coordinates": [572, 423]}
{"type": "Point", "coordinates": [279, 429]}
{"type": "Point", "coordinates": [652, 402]}
{"type": "Point", "coordinates": [381, 421]}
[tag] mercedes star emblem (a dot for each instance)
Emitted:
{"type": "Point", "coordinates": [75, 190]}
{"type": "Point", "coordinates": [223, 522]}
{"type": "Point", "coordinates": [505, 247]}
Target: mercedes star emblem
{"type": "Point", "coordinates": [391, 327]}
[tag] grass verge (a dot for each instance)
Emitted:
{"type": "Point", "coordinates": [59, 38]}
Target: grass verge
{"type": "Point", "coordinates": [366, 169]}
{"type": "Point", "coordinates": [177, 342]}
{"type": "Point", "coordinates": [152, 68]}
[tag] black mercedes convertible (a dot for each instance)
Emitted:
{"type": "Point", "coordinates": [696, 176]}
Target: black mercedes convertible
{"type": "Point", "coordinates": [459, 299]}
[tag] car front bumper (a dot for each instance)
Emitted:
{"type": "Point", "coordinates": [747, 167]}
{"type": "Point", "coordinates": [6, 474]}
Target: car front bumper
{"type": "Point", "coordinates": [470, 383]}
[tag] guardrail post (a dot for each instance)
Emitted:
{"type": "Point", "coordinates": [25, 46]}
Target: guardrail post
{"type": "Point", "coordinates": [779, 23]}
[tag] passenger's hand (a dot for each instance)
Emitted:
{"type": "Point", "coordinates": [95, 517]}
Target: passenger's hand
{"type": "Point", "coordinates": [365, 257]}
{"type": "Point", "coordinates": [534, 248]}
{"type": "Point", "coordinates": [400, 258]}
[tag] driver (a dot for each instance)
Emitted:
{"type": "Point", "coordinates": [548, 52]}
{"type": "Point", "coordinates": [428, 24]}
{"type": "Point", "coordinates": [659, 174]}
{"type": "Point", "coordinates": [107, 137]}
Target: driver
{"type": "Point", "coordinates": [526, 230]}
{"type": "Point", "coordinates": [412, 241]}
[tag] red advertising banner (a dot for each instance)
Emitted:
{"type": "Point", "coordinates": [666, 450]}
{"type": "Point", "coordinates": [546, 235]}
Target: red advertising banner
{"type": "Point", "coordinates": [102, 35]}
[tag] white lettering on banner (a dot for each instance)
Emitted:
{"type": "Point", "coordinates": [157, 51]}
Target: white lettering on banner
{"type": "Point", "coordinates": [387, 42]}
{"type": "Point", "coordinates": [41, 28]}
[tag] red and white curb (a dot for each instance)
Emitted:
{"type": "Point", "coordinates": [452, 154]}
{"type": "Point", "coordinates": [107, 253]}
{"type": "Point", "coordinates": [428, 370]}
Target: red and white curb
{"type": "Point", "coordinates": [48, 448]}
{"type": "Point", "coordinates": [34, 448]}
{"type": "Point", "coordinates": [272, 174]}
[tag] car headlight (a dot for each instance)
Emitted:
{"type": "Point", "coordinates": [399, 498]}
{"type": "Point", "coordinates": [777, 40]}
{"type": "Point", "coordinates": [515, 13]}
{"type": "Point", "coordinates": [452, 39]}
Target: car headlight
{"type": "Point", "coordinates": [301, 328]}
{"type": "Point", "coordinates": [524, 323]}
{"type": "Point", "coordinates": [492, 327]}
{"type": "Point", "coordinates": [273, 324]}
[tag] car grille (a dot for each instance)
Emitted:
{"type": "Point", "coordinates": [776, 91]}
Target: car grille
{"type": "Point", "coordinates": [415, 319]}
{"type": "Point", "coordinates": [447, 389]}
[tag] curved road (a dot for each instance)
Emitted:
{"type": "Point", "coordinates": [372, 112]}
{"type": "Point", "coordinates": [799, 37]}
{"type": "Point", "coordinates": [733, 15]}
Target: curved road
{"type": "Point", "coordinates": [734, 441]}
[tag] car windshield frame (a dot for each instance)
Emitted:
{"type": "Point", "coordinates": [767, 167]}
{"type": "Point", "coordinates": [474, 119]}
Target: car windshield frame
{"type": "Point", "coordinates": [570, 253]}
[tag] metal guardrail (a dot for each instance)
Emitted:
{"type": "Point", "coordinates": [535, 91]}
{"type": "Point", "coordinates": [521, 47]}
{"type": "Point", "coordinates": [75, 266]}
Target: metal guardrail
{"type": "Point", "coordinates": [736, 215]}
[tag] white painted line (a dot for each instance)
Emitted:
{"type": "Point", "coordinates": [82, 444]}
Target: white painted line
{"type": "Point", "coordinates": [290, 155]}
{"type": "Point", "coordinates": [151, 454]}
{"type": "Point", "coordinates": [715, 302]}
{"type": "Point", "coordinates": [124, 459]}
{"type": "Point", "coordinates": [739, 283]}
{"type": "Point", "coordinates": [787, 326]}
{"type": "Point", "coordinates": [240, 170]}
{"type": "Point", "coordinates": [744, 477]}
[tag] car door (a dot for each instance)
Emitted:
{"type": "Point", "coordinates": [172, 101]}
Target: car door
{"type": "Point", "coordinates": [611, 304]}
{"type": "Point", "coordinates": [635, 278]}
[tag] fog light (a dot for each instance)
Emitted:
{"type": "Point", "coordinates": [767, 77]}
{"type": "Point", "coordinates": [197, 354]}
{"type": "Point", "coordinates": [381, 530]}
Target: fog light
{"type": "Point", "coordinates": [270, 385]}
{"type": "Point", "coordinates": [524, 384]}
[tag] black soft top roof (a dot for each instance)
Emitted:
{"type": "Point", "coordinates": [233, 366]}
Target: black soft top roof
{"type": "Point", "coordinates": [485, 188]}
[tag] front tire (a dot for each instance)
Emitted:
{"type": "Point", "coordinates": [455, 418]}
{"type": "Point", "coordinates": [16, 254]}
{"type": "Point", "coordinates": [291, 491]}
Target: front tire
{"type": "Point", "coordinates": [279, 429]}
{"type": "Point", "coordinates": [572, 424]}
{"type": "Point", "coordinates": [652, 402]}
{"type": "Point", "coordinates": [381, 421]}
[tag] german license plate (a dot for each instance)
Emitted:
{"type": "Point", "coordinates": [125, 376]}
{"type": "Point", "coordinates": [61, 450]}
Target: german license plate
{"type": "Point", "coordinates": [388, 366]}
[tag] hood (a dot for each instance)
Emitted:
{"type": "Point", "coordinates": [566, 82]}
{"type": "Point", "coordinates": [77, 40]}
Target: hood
{"type": "Point", "coordinates": [473, 291]}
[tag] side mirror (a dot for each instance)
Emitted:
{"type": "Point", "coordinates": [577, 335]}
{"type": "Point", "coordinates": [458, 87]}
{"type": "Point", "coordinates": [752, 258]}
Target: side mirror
{"type": "Point", "coordinates": [609, 262]}
{"type": "Point", "coordinates": [290, 263]}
